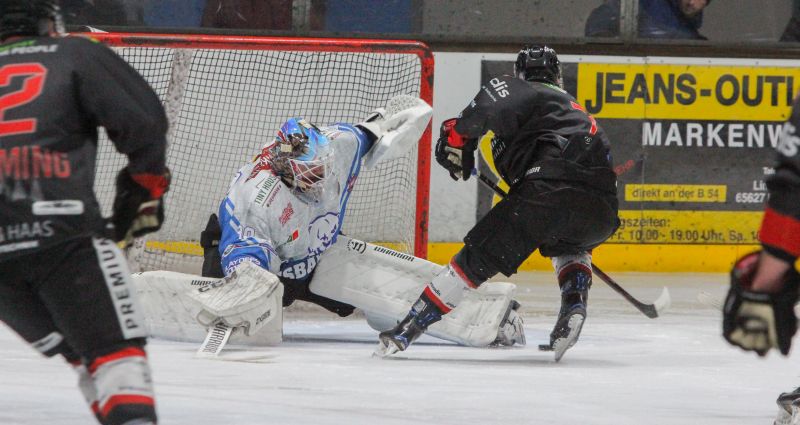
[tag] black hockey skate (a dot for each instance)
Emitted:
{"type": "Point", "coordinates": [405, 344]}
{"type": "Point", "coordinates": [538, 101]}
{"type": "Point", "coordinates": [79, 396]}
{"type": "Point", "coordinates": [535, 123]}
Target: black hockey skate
{"type": "Point", "coordinates": [422, 314]}
{"type": "Point", "coordinates": [788, 408]}
{"type": "Point", "coordinates": [574, 295]}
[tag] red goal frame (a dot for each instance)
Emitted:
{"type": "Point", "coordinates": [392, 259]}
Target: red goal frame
{"type": "Point", "coordinates": [233, 42]}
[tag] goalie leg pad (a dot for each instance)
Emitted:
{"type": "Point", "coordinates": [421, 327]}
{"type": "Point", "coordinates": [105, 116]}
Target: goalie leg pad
{"type": "Point", "coordinates": [386, 283]}
{"type": "Point", "coordinates": [171, 312]}
{"type": "Point", "coordinates": [477, 320]}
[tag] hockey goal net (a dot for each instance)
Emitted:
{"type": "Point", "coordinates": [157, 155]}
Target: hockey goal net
{"type": "Point", "coordinates": [226, 96]}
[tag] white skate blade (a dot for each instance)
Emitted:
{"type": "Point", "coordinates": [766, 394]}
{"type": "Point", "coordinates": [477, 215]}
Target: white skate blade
{"type": "Point", "coordinates": [384, 350]}
{"type": "Point", "coordinates": [561, 345]}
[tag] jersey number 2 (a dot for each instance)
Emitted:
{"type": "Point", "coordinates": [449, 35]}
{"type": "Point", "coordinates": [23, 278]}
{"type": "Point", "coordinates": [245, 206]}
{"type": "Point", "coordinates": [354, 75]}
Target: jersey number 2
{"type": "Point", "coordinates": [35, 74]}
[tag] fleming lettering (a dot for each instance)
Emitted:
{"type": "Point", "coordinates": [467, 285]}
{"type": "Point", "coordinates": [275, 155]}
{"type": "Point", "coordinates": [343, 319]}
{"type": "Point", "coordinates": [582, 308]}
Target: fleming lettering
{"type": "Point", "coordinates": [33, 162]}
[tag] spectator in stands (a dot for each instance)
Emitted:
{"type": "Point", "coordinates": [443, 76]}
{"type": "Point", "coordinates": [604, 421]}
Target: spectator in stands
{"type": "Point", "coordinates": [248, 14]}
{"type": "Point", "coordinates": [792, 31]}
{"type": "Point", "coordinates": [675, 19]}
{"type": "Point", "coordinates": [604, 20]}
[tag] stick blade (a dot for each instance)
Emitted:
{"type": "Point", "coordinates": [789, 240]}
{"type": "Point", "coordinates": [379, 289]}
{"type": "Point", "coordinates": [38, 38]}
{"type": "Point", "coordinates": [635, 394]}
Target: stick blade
{"type": "Point", "coordinates": [664, 301]}
{"type": "Point", "coordinates": [659, 305]}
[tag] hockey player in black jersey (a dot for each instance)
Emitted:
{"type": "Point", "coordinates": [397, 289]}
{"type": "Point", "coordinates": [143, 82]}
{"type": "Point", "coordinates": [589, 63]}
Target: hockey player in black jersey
{"type": "Point", "coordinates": [562, 198]}
{"type": "Point", "coordinates": [64, 285]}
{"type": "Point", "coordinates": [759, 309]}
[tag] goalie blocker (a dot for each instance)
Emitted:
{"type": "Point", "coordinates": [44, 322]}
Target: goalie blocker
{"type": "Point", "coordinates": [382, 282]}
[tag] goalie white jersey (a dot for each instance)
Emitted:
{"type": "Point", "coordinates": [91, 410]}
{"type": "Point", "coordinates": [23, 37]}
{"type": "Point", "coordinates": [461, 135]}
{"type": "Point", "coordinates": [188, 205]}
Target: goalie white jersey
{"type": "Point", "coordinates": [266, 222]}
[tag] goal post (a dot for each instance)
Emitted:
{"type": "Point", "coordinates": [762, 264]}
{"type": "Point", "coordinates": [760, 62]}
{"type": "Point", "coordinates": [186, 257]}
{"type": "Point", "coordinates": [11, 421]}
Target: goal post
{"type": "Point", "coordinates": [226, 96]}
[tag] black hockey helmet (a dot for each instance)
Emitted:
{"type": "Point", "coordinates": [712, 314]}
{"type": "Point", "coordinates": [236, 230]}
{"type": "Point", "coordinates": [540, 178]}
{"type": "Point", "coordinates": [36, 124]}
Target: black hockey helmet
{"type": "Point", "coordinates": [538, 63]}
{"type": "Point", "coordinates": [29, 17]}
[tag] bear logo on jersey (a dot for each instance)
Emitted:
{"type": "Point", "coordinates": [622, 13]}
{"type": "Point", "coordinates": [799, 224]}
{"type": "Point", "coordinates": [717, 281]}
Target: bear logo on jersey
{"type": "Point", "coordinates": [321, 232]}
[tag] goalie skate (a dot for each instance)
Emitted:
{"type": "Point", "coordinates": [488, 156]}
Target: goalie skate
{"type": "Point", "coordinates": [511, 328]}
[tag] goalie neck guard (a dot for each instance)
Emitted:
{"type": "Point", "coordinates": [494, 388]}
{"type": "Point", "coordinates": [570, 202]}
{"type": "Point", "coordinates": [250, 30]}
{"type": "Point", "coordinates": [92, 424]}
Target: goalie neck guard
{"type": "Point", "coordinates": [301, 155]}
{"type": "Point", "coordinates": [30, 17]}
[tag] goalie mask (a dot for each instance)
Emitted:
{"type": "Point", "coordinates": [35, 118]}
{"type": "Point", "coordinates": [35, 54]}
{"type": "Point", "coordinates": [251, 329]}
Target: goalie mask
{"type": "Point", "coordinates": [30, 17]}
{"type": "Point", "coordinates": [301, 155]}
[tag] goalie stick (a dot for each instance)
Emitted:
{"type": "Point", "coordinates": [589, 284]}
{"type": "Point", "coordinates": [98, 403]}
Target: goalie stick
{"type": "Point", "coordinates": [650, 310]}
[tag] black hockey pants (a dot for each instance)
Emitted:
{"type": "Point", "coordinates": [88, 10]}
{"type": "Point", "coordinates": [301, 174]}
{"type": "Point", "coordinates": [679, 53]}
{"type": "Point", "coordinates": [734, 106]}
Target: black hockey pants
{"type": "Point", "coordinates": [74, 299]}
{"type": "Point", "coordinates": [555, 217]}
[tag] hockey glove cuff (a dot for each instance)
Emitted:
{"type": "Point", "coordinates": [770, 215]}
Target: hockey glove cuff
{"type": "Point", "coordinates": [756, 321]}
{"type": "Point", "coordinates": [138, 206]}
{"type": "Point", "coordinates": [453, 152]}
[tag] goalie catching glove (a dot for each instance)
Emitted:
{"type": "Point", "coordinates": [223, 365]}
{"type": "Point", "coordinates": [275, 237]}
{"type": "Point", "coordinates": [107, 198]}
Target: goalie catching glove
{"type": "Point", "coordinates": [396, 128]}
{"type": "Point", "coordinates": [757, 321]}
{"type": "Point", "coordinates": [138, 206]}
{"type": "Point", "coordinates": [453, 152]}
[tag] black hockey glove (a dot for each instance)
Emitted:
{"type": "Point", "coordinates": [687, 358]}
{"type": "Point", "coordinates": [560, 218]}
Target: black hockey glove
{"type": "Point", "coordinates": [757, 321]}
{"type": "Point", "coordinates": [454, 153]}
{"type": "Point", "coordinates": [138, 206]}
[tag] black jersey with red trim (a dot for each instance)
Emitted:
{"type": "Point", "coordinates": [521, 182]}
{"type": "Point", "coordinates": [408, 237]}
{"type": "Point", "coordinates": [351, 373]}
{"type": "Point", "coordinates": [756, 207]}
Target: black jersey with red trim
{"type": "Point", "coordinates": [538, 130]}
{"type": "Point", "coordinates": [54, 93]}
{"type": "Point", "coordinates": [780, 229]}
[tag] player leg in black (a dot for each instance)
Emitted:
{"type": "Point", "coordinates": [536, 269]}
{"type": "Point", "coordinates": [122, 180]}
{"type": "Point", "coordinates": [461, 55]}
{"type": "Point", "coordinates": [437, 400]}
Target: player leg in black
{"type": "Point", "coordinates": [209, 240]}
{"type": "Point", "coordinates": [559, 220]}
{"type": "Point", "coordinates": [574, 279]}
{"type": "Point", "coordinates": [498, 243]}
{"type": "Point", "coordinates": [83, 286]}
{"type": "Point", "coordinates": [23, 311]}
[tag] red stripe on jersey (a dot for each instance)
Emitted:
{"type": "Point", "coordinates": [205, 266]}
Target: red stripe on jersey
{"type": "Point", "coordinates": [127, 352]}
{"type": "Point", "coordinates": [117, 400]}
{"type": "Point", "coordinates": [781, 231]}
{"type": "Point", "coordinates": [461, 274]}
{"type": "Point", "coordinates": [436, 300]}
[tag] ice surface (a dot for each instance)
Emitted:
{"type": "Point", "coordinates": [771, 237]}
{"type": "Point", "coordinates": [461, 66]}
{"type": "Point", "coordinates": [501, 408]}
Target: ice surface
{"type": "Point", "coordinates": [626, 369]}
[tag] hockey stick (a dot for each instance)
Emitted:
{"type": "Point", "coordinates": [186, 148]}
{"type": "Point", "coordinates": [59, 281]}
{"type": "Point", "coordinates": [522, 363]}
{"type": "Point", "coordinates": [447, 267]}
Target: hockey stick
{"type": "Point", "coordinates": [650, 310]}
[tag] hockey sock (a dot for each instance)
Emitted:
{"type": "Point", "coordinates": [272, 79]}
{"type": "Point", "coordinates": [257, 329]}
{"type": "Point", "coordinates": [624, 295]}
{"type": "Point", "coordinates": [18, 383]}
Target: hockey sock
{"type": "Point", "coordinates": [124, 386]}
{"type": "Point", "coordinates": [447, 288]}
{"type": "Point", "coordinates": [89, 391]}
